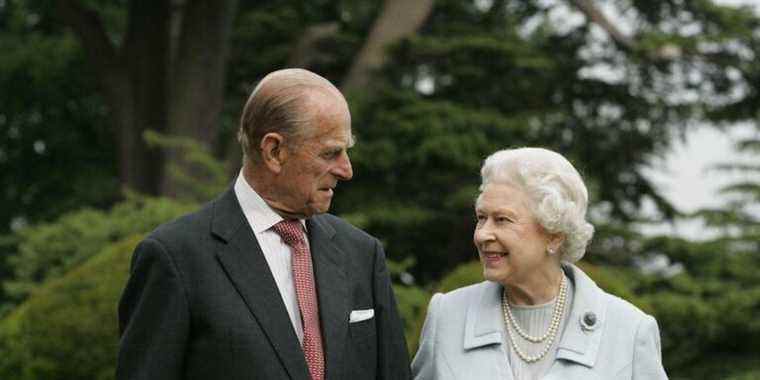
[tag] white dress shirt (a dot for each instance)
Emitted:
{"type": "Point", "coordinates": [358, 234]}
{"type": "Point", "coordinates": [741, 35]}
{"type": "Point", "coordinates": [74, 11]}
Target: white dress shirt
{"type": "Point", "coordinates": [278, 255]}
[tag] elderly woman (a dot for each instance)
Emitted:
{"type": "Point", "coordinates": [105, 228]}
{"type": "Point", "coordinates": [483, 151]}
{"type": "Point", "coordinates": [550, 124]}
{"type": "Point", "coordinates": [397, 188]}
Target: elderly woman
{"type": "Point", "coordinates": [537, 316]}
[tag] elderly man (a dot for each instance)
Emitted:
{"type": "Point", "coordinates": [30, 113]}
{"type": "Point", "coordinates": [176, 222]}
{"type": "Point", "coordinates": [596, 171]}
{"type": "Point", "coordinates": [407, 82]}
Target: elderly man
{"type": "Point", "coordinates": [261, 283]}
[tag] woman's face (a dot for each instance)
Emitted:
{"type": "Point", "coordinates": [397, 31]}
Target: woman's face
{"type": "Point", "coordinates": [511, 244]}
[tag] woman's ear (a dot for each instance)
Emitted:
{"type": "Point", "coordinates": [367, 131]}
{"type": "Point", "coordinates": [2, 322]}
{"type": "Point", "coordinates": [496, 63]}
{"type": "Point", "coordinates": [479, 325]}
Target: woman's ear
{"type": "Point", "coordinates": [555, 241]}
{"type": "Point", "coordinates": [273, 152]}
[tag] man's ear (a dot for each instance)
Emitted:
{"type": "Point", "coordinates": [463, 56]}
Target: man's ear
{"type": "Point", "coordinates": [273, 152]}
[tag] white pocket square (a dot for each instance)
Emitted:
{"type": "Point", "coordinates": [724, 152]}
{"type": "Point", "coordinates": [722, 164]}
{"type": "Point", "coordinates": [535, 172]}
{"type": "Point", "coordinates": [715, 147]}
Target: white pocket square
{"type": "Point", "coordinates": [361, 315]}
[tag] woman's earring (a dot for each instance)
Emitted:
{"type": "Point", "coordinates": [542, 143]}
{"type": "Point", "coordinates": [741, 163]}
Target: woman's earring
{"type": "Point", "coordinates": [550, 251]}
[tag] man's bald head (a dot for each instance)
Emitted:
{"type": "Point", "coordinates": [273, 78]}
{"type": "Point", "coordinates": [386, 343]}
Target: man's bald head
{"type": "Point", "coordinates": [287, 102]}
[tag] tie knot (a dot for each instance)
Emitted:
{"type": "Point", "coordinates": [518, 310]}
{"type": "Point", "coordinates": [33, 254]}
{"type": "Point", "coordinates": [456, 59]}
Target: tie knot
{"type": "Point", "coordinates": [290, 231]}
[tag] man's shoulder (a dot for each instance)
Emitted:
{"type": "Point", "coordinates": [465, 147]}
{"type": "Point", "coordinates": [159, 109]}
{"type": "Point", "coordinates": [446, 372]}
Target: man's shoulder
{"type": "Point", "coordinates": [188, 225]}
{"type": "Point", "coordinates": [342, 227]}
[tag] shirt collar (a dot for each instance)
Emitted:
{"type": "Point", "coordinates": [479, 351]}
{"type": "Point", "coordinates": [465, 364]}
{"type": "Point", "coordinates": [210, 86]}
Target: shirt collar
{"type": "Point", "coordinates": [260, 216]}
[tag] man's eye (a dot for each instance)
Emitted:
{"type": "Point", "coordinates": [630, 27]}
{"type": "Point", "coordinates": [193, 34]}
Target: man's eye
{"type": "Point", "coordinates": [331, 154]}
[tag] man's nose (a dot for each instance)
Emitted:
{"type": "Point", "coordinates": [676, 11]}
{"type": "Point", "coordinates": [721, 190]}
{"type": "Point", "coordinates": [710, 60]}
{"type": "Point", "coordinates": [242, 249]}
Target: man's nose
{"type": "Point", "coordinates": [343, 169]}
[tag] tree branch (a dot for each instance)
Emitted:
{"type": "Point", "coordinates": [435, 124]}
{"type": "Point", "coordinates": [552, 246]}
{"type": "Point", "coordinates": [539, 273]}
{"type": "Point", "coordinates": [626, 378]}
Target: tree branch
{"type": "Point", "coordinates": [305, 50]}
{"type": "Point", "coordinates": [398, 20]}
{"type": "Point", "coordinates": [595, 15]}
{"type": "Point", "coordinates": [92, 35]}
{"type": "Point", "coordinates": [664, 53]}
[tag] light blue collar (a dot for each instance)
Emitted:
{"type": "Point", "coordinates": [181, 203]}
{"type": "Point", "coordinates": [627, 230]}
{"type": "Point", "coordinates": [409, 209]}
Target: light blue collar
{"type": "Point", "coordinates": [580, 341]}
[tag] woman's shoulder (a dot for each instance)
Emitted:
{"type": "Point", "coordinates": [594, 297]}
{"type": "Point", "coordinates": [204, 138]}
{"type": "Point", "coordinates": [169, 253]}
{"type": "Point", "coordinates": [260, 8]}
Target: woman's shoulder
{"type": "Point", "coordinates": [615, 306]}
{"type": "Point", "coordinates": [450, 311]}
{"type": "Point", "coordinates": [617, 313]}
{"type": "Point", "coordinates": [466, 293]}
{"type": "Point", "coordinates": [619, 307]}
{"type": "Point", "coordinates": [623, 317]}
{"type": "Point", "coordinates": [627, 321]}
{"type": "Point", "coordinates": [457, 301]}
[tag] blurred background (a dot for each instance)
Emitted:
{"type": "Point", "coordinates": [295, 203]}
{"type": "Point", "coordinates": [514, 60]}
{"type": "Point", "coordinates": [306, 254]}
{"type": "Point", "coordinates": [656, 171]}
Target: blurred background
{"type": "Point", "coordinates": [119, 115]}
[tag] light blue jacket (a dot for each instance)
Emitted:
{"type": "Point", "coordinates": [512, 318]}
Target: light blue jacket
{"type": "Point", "coordinates": [605, 337]}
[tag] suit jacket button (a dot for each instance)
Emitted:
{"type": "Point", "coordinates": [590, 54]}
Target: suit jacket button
{"type": "Point", "coordinates": [588, 321]}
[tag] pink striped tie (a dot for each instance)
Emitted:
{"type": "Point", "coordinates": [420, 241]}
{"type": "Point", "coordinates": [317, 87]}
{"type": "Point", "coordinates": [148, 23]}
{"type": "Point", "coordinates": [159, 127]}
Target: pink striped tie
{"type": "Point", "coordinates": [292, 234]}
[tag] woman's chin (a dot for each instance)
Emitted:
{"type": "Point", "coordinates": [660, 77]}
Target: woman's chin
{"type": "Point", "coordinates": [492, 274]}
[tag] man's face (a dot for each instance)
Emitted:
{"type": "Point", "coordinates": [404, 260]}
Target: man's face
{"type": "Point", "coordinates": [315, 165]}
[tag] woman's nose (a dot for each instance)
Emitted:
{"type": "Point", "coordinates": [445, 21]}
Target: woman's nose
{"type": "Point", "coordinates": [483, 233]}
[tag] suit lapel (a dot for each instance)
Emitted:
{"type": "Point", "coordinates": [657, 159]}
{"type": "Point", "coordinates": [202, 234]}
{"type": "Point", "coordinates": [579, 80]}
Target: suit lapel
{"type": "Point", "coordinates": [579, 343]}
{"type": "Point", "coordinates": [242, 259]}
{"type": "Point", "coordinates": [484, 327]}
{"type": "Point", "coordinates": [332, 292]}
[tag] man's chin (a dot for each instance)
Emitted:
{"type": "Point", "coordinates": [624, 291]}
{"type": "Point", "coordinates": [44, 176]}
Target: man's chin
{"type": "Point", "coordinates": [316, 208]}
{"type": "Point", "coordinates": [320, 209]}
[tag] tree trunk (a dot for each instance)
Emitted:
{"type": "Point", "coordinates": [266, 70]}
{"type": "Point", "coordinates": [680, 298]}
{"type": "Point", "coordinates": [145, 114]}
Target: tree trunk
{"type": "Point", "coordinates": [197, 78]}
{"type": "Point", "coordinates": [167, 76]}
{"type": "Point", "coordinates": [145, 52]}
{"type": "Point", "coordinates": [133, 81]}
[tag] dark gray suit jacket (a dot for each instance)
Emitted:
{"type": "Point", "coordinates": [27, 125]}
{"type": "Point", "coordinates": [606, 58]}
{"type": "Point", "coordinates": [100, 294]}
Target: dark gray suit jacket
{"type": "Point", "coordinates": [201, 303]}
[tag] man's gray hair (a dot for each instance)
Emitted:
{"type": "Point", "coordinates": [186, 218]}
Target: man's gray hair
{"type": "Point", "coordinates": [558, 196]}
{"type": "Point", "coordinates": [279, 104]}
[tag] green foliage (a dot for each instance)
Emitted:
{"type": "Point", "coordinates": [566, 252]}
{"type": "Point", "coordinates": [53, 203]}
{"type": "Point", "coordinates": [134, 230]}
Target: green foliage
{"type": "Point", "coordinates": [412, 301]}
{"type": "Point", "coordinates": [48, 250]}
{"type": "Point", "coordinates": [427, 166]}
{"type": "Point", "coordinates": [201, 176]}
{"type": "Point", "coordinates": [68, 327]}
{"type": "Point", "coordinates": [706, 308]}
{"type": "Point", "coordinates": [54, 137]}
{"type": "Point", "coordinates": [56, 153]}
{"type": "Point", "coordinates": [740, 217]}
{"type": "Point", "coordinates": [481, 78]}
{"type": "Point", "coordinates": [412, 304]}
{"type": "Point", "coordinates": [463, 275]}
{"type": "Point", "coordinates": [707, 312]}
{"type": "Point", "coordinates": [475, 79]}
{"type": "Point", "coordinates": [750, 374]}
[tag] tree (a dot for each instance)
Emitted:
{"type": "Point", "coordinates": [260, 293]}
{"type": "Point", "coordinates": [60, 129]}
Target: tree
{"type": "Point", "coordinates": [166, 75]}
{"type": "Point", "coordinates": [464, 79]}
{"type": "Point", "coordinates": [480, 76]}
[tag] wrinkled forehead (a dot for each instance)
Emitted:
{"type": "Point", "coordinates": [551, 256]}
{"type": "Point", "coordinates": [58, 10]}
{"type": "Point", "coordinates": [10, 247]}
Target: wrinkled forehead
{"type": "Point", "coordinates": [498, 196]}
{"type": "Point", "coordinates": [329, 114]}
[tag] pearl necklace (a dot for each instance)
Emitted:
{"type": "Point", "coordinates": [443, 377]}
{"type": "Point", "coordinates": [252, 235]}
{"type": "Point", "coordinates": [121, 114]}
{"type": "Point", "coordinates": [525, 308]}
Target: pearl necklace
{"type": "Point", "coordinates": [551, 333]}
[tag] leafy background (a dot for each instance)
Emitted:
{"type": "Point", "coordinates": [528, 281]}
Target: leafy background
{"type": "Point", "coordinates": [103, 136]}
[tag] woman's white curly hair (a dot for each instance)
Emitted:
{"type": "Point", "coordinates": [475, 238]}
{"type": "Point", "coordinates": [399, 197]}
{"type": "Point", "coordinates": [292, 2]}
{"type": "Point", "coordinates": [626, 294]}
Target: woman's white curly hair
{"type": "Point", "coordinates": [559, 198]}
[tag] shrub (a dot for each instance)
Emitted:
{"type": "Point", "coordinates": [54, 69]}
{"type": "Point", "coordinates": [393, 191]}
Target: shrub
{"type": "Point", "coordinates": [48, 250]}
{"type": "Point", "coordinates": [67, 329]}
